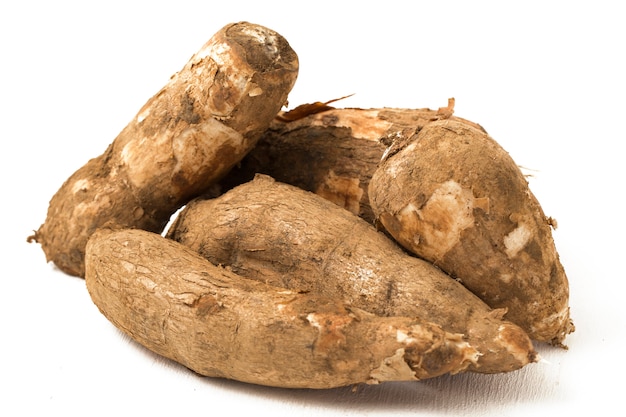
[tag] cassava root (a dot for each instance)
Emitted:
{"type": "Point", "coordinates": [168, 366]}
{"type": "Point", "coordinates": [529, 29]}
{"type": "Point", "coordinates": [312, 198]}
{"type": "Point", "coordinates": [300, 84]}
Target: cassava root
{"type": "Point", "coordinates": [177, 304]}
{"type": "Point", "coordinates": [183, 140]}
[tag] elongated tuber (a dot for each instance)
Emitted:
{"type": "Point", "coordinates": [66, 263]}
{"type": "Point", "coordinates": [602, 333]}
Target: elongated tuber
{"type": "Point", "coordinates": [183, 140]}
{"type": "Point", "coordinates": [279, 234]}
{"type": "Point", "coordinates": [179, 305]}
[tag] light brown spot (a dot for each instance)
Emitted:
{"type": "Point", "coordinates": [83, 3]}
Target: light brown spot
{"type": "Point", "coordinates": [435, 228]}
{"type": "Point", "coordinates": [343, 191]}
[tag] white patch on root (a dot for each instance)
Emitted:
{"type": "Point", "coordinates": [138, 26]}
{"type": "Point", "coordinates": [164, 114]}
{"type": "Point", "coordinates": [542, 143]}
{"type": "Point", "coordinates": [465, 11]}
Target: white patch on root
{"type": "Point", "coordinates": [312, 319]}
{"type": "Point", "coordinates": [147, 283]}
{"type": "Point", "coordinates": [517, 239]}
{"type": "Point", "coordinates": [403, 337]}
{"type": "Point", "coordinates": [217, 51]}
{"type": "Point", "coordinates": [262, 36]}
{"type": "Point", "coordinates": [470, 354]}
{"type": "Point", "coordinates": [190, 155]}
{"type": "Point", "coordinates": [519, 353]}
{"type": "Point", "coordinates": [255, 90]}
{"type": "Point", "coordinates": [141, 116]}
{"type": "Point", "coordinates": [434, 229]}
{"type": "Point", "coordinates": [80, 185]}
{"type": "Point", "coordinates": [506, 278]}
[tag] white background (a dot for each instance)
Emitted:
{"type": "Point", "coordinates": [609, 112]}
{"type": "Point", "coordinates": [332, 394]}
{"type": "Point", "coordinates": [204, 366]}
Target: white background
{"type": "Point", "coordinates": [546, 79]}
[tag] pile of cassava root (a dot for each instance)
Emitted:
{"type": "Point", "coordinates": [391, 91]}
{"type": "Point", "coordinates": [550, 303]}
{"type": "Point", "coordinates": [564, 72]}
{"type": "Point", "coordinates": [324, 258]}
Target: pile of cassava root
{"type": "Point", "coordinates": [313, 248]}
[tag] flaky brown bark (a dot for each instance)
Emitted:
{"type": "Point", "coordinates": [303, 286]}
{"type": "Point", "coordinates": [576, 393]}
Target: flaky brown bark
{"type": "Point", "coordinates": [183, 140]}
{"type": "Point", "coordinates": [454, 197]}
{"type": "Point", "coordinates": [179, 305]}
{"type": "Point", "coordinates": [282, 235]}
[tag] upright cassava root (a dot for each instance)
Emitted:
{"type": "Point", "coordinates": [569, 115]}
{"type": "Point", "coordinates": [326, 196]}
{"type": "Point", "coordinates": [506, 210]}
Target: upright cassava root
{"type": "Point", "coordinates": [183, 140]}
{"type": "Point", "coordinates": [179, 305]}
{"type": "Point", "coordinates": [279, 234]}
{"type": "Point", "coordinates": [454, 197]}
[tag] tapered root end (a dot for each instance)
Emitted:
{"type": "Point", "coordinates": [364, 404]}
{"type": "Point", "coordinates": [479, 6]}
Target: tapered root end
{"type": "Point", "coordinates": [554, 329]}
{"type": "Point", "coordinates": [503, 346]}
{"type": "Point", "coordinates": [517, 345]}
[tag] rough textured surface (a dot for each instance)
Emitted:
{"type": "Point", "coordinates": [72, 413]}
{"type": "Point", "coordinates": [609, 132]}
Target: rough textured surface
{"type": "Point", "coordinates": [279, 234]}
{"type": "Point", "coordinates": [179, 305]}
{"type": "Point", "coordinates": [333, 153]}
{"type": "Point", "coordinates": [454, 197]}
{"type": "Point", "coordinates": [183, 140]}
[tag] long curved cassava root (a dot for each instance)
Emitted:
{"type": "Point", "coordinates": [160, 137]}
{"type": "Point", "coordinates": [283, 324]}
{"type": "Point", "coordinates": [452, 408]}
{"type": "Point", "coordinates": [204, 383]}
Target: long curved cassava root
{"type": "Point", "coordinates": [287, 237]}
{"type": "Point", "coordinates": [333, 153]}
{"type": "Point", "coordinates": [183, 140]}
{"type": "Point", "coordinates": [177, 304]}
{"type": "Point", "coordinates": [453, 196]}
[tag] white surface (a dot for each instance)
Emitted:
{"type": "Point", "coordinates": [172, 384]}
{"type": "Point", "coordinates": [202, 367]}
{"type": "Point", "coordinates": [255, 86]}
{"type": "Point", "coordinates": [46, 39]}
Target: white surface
{"type": "Point", "coordinates": [546, 79]}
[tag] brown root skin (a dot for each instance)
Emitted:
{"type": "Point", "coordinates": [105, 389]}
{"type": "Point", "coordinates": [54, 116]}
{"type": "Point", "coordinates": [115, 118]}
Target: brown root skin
{"type": "Point", "coordinates": [334, 152]}
{"type": "Point", "coordinates": [279, 234]}
{"type": "Point", "coordinates": [454, 197]}
{"type": "Point", "coordinates": [177, 304]}
{"type": "Point", "coordinates": [183, 140]}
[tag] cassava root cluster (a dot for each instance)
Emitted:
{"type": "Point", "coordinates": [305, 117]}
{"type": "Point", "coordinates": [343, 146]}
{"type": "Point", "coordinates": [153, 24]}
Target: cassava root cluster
{"type": "Point", "coordinates": [315, 248]}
